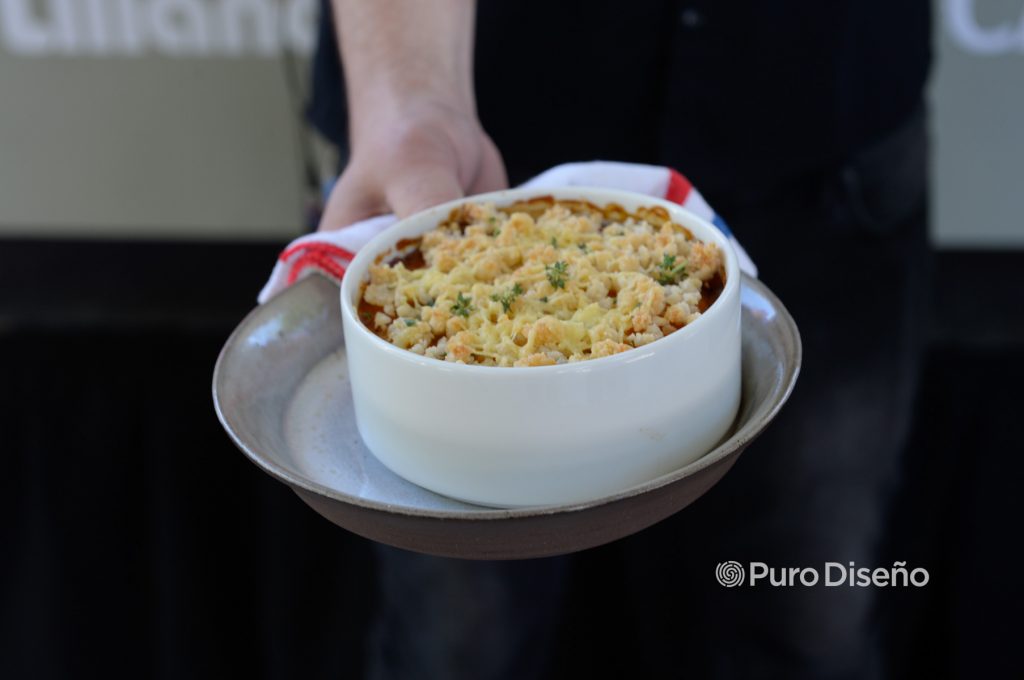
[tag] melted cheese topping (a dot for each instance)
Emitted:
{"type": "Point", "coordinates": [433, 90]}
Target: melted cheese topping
{"type": "Point", "coordinates": [542, 283]}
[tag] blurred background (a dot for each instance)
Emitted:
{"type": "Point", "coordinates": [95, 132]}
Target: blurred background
{"type": "Point", "coordinates": [154, 158]}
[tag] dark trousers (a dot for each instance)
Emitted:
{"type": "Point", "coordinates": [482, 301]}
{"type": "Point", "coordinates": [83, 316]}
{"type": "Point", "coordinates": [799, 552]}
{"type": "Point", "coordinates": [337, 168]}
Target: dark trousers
{"type": "Point", "coordinates": [845, 248]}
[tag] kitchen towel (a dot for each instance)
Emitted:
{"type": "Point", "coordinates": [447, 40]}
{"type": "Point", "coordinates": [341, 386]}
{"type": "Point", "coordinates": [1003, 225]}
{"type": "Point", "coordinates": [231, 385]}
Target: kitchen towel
{"type": "Point", "coordinates": [330, 252]}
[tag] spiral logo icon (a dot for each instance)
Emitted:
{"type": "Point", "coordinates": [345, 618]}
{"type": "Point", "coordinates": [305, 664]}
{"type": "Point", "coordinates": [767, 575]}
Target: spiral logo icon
{"type": "Point", "coordinates": [730, 574]}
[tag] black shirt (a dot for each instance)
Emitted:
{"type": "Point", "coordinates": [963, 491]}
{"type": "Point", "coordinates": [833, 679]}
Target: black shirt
{"type": "Point", "coordinates": [739, 95]}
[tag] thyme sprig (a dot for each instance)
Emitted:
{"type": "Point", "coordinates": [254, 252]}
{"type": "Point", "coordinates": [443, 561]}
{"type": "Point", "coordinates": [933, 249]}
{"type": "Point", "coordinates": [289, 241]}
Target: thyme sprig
{"type": "Point", "coordinates": [557, 273]}
{"type": "Point", "coordinates": [669, 272]}
{"type": "Point", "coordinates": [507, 298]}
{"type": "Point", "coordinates": [463, 306]}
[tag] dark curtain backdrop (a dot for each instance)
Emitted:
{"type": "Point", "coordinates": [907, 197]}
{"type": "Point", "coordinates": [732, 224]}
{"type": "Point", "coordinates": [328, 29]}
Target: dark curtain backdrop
{"type": "Point", "coordinates": [137, 542]}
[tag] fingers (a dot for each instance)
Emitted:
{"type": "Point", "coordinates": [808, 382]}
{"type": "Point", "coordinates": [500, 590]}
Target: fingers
{"type": "Point", "coordinates": [422, 186]}
{"type": "Point", "coordinates": [420, 171]}
{"type": "Point", "coordinates": [415, 188]}
{"type": "Point", "coordinates": [351, 200]}
{"type": "Point", "coordinates": [491, 175]}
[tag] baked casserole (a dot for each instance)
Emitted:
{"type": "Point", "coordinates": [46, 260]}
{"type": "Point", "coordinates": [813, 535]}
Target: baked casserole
{"type": "Point", "coordinates": [540, 282]}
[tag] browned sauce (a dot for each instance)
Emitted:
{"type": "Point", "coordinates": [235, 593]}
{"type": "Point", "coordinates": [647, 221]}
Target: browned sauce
{"type": "Point", "coordinates": [710, 291]}
{"type": "Point", "coordinates": [412, 259]}
{"type": "Point", "coordinates": [368, 312]}
{"type": "Point", "coordinates": [460, 218]}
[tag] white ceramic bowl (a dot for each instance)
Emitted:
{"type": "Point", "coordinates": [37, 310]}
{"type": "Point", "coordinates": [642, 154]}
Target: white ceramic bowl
{"type": "Point", "coordinates": [546, 434]}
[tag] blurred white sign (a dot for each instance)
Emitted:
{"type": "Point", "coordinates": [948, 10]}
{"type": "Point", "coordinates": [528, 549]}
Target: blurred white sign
{"type": "Point", "coordinates": [966, 28]}
{"type": "Point", "coordinates": [977, 96]}
{"type": "Point", "coordinates": [173, 119]}
{"type": "Point", "coordinates": [1001, 36]}
{"type": "Point", "coordinates": [175, 28]}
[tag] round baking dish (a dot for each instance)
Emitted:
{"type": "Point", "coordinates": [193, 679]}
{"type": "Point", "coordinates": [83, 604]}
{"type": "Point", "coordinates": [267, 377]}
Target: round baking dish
{"type": "Point", "coordinates": [547, 434]}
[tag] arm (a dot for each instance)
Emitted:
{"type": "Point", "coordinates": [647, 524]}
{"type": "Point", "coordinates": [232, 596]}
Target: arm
{"type": "Point", "coordinates": [414, 134]}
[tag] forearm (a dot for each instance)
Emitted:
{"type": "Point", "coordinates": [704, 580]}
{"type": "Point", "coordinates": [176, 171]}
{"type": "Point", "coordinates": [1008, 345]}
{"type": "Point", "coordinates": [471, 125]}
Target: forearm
{"type": "Point", "coordinates": [414, 134]}
{"type": "Point", "coordinates": [395, 51]}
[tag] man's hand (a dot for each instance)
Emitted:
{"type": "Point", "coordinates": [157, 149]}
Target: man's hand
{"type": "Point", "coordinates": [413, 160]}
{"type": "Point", "coordinates": [414, 133]}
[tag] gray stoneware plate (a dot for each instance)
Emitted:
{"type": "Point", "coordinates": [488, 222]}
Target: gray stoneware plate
{"type": "Point", "coordinates": [281, 391]}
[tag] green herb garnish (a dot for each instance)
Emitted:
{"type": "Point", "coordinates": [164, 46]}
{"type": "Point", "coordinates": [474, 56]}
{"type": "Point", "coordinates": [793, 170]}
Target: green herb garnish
{"type": "Point", "coordinates": [544, 299]}
{"type": "Point", "coordinates": [669, 272]}
{"type": "Point", "coordinates": [554, 242]}
{"type": "Point", "coordinates": [462, 306]}
{"type": "Point", "coordinates": [410, 323]}
{"type": "Point", "coordinates": [582, 247]}
{"type": "Point", "coordinates": [556, 273]}
{"type": "Point", "coordinates": [507, 298]}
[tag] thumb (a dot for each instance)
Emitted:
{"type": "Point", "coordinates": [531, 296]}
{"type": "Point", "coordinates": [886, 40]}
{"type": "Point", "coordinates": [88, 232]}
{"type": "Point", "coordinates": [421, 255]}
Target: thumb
{"type": "Point", "coordinates": [422, 186]}
{"type": "Point", "coordinates": [351, 200]}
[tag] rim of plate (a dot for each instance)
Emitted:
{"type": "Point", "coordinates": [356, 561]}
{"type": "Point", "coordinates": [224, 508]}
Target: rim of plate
{"type": "Point", "coordinates": [747, 431]}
